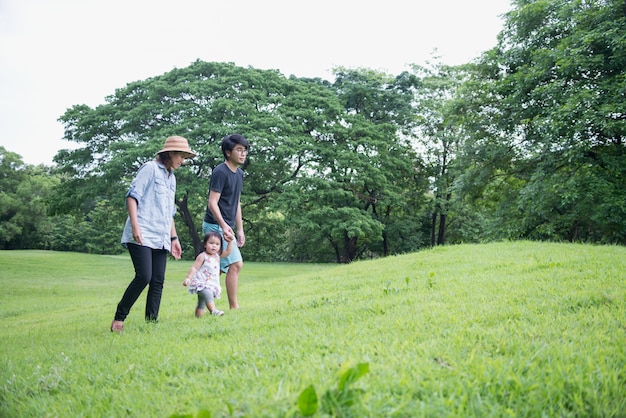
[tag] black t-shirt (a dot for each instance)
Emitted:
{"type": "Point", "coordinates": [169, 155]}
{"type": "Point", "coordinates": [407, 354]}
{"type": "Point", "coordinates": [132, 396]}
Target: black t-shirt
{"type": "Point", "coordinates": [229, 184]}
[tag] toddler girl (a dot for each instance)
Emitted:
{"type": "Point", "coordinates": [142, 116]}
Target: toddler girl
{"type": "Point", "coordinates": [203, 278]}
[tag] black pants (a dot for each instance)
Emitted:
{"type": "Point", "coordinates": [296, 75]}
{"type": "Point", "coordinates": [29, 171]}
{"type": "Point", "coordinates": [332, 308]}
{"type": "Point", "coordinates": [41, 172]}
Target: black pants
{"type": "Point", "coordinates": [149, 271]}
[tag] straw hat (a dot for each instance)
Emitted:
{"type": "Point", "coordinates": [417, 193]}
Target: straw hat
{"type": "Point", "coordinates": [178, 143]}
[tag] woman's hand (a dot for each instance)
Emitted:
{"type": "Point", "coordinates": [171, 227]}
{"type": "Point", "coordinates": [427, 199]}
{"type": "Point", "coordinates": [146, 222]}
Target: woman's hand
{"type": "Point", "coordinates": [137, 235]}
{"type": "Point", "coordinates": [177, 251]}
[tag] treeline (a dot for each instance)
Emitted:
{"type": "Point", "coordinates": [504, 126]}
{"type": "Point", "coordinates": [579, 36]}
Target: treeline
{"type": "Point", "coordinates": [525, 142]}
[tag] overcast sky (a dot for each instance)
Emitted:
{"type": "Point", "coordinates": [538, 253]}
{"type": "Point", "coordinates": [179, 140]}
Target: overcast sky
{"type": "Point", "coordinates": [55, 54]}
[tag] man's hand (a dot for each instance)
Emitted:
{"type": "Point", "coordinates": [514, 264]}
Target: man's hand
{"type": "Point", "coordinates": [228, 233]}
{"type": "Point", "coordinates": [241, 238]}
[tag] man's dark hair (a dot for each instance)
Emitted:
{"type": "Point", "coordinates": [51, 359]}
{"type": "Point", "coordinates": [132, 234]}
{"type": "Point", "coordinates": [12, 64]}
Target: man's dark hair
{"type": "Point", "coordinates": [229, 142]}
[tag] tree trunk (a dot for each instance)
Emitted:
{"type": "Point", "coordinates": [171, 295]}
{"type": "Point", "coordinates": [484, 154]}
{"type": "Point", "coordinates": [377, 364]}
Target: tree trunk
{"type": "Point", "coordinates": [443, 219]}
{"type": "Point", "coordinates": [385, 236]}
{"type": "Point", "coordinates": [385, 244]}
{"type": "Point", "coordinates": [573, 234]}
{"type": "Point", "coordinates": [433, 228]}
{"type": "Point", "coordinates": [183, 211]}
{"type": "Point", "coordinates": [349, 249]}
{"type": "Point", "coordinates": [441, 236]}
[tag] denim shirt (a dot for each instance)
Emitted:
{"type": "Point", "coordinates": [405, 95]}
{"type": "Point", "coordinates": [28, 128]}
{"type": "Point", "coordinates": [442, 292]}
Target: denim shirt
{"type": "Point", "coordinates": [153, 188]}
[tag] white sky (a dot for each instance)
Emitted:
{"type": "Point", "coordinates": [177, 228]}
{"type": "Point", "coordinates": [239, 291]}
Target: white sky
{"type": "Point", "coordinates": [55, 54]}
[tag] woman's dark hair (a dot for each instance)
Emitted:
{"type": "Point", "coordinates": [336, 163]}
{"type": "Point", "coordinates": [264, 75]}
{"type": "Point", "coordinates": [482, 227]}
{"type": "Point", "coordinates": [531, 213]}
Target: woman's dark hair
{"type": "Point", "coordinates": [212, 234]}
{"type": "Point", "coordinates": [165, 157]}
{"type": "Point", "coordinates": [229, 142]}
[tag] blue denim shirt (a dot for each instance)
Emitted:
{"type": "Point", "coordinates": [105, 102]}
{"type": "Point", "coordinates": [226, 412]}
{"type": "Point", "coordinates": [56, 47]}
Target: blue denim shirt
{"type": "Point", "coordinates": [153, 188]}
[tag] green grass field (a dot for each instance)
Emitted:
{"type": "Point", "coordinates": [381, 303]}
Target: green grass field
{"type": "Point", "coordinates": [517, 329]}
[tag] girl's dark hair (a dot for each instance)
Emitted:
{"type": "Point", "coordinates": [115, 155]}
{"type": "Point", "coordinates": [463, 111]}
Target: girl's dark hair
{"type": "Point", "coordinates": [229, 142]}
{"type": "Point", "coordinates": [212, 234]}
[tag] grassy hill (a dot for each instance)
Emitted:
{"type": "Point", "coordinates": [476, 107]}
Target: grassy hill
{"type": "Point", "coordinates": [517, 329]}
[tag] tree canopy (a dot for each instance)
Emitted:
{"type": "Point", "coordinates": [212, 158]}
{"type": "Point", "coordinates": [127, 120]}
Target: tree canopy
{"type": "Point", "coordinates": [552, 99]}
{"type": "Point", "coordinates": [331, 171]}
{"type": "Point", "coordinates": [526, 141]}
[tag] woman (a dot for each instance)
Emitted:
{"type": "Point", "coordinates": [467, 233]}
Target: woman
{"type": "Point", "coordinates": [150, 233]}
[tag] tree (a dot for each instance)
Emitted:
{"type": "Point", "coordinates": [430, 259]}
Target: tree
{"type": "Point", "coordinates": [203, 102]}
{"type": "Point", "coordinates": [553, 103]}
{"type": "Point", "coordinates": [439, 134]}
{"type": "Point", "coordinates": [394, 179]}
{"type": "Point", "coordinates": [304, 139]}
{"type": "Point", "coordinates": [24, 190]}
{"type": "Point", "coordinates": [292, 125]}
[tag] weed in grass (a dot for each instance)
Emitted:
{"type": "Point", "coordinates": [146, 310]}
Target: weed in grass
{"type": "Point", "coordinates": [339, 402]}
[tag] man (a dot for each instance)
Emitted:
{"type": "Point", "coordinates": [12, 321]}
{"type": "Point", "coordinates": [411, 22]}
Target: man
{"type": "Point", "coordinates": [223, 213]}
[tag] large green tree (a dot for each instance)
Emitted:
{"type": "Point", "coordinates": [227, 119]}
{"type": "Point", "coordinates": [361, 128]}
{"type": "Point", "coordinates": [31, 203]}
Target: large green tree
{"type": "Point", "coordinates": [388, 178]}
{"type": "Point", "coordinates": [305, 143]}
{"type": "Point", "coordinates": [202, 102]}
{"type": "Point", "coordinates": [550, 99]}
{"type": "Point", "coordinates": [24, 190]}
{"type": "Point", "coordinates": [438, 134]}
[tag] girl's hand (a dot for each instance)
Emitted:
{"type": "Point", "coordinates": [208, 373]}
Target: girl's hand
{"type": "Point", "coordinates": [185, 282]}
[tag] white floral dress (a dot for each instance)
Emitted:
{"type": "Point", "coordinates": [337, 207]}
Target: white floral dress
{"type": "Point", "coordinates": [207, 277]}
